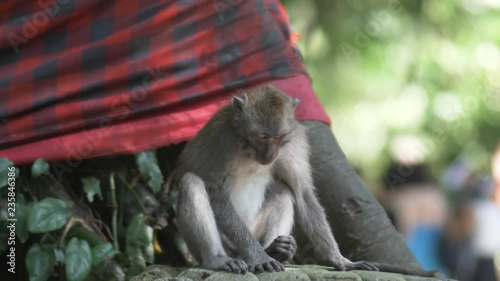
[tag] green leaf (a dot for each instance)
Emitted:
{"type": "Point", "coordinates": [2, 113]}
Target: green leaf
{"type": "Point", "coordinates": [78, 259]}
{"type": "Point", "coordinates": [5, 163]}
{"type": "Point", "coordinates": [136, 267]}
{"type": "Point", "coordinates": [47, 215]}
{"type": "Point", "coordinates": [92, 186]}
{"type": "Point", "coordinates": [40, 262]}
{"type": "Point", "coordinates": [39, 167]}
{"type": "Point", "coordinates": [102, 252]}
{"type": "Point", "coordinates": [148, 166]}
{"type": "Point", "coordinates": [139, 240]}
{"type": "Point", "coordinates": [59, 254]}
{"type": "Point", "coordinates": [22, 213]}
{"type": "Point", "coordinates": [81, 232]}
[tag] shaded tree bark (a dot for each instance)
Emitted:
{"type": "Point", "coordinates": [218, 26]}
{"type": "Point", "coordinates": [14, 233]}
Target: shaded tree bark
{"type": "Point", "coordinates": [359, 222]}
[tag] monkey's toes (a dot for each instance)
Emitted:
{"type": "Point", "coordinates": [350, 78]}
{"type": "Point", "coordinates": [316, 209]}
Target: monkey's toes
{"type": "Point", "coordinates": [269, 266]}
{"type": "Point", "coordinates": [258, 268]}
{"type": "Point", "coordinates": [273, 265]}
{"type": "Point", "coordinates": [337, 263]}
{"type": "Point", "coordinates": [236, 266]}
{"type": "Point", "coordinates": [362, 265]}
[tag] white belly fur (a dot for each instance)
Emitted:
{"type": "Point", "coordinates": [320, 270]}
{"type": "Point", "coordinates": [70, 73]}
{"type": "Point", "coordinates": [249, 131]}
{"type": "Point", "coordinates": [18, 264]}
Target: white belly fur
{"type": "Point", "coordinates": [249, 192]}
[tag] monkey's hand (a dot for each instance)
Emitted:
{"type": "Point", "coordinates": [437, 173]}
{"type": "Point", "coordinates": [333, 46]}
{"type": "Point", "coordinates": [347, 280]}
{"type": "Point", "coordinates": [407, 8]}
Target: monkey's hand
{"type": "Point", "coordinates": [342, 264]}
{"type": "Point", "coordinates": [283, 248]}
{"type": "Point", "coordinates": [264, 263]}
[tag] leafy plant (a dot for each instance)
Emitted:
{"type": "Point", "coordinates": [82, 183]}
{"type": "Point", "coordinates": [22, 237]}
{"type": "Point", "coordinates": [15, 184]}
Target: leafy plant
{"type": "Point", "coordinates": [92, 186]}
{"type": "Point", "coordinates": [40, 262]}
{"type": "Point", "coordinates": [148, 166]}
{"type": "Point", "coordinates": [101, 253]}
{"type": "Point", "coordinates": [39, 167]}
{"type": "Point", "coordinates": [58, 233]}
{"type": "Point", "coordinates": [47, 215]}
{"type": "Point", "coordinates": [4, 172]}
{"type": "Point", "coordinates": [78, 259]}
{"type": "Point", "coordinates": [139, 244]}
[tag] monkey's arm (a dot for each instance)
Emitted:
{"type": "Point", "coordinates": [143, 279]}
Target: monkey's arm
{"type": "Point", "coordinates": [359, 220]}
{"type": "Point", "coordinates": [293, 168]}
{"type": "Point", "coordinates": [310, 203]}
{"type": "Point", "coordinates": [233, 227]}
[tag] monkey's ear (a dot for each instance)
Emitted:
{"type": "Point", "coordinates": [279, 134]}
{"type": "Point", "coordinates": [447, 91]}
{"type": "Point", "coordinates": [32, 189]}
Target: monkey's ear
{"type": "Point", "coordinates": [296, 102]}
{"type": "Point", "coordinates": [238, 103]}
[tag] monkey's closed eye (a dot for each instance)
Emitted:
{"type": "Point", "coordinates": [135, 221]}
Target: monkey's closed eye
{"type": "Point", "coordinates": [263, 137]}
{"type": "Point", "coordinates": [280, 137]}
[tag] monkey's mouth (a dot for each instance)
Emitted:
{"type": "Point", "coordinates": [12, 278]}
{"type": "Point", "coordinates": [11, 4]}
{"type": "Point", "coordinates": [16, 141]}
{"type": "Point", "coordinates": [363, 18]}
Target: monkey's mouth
{"type": "Point", "coordinates": [264, 160]}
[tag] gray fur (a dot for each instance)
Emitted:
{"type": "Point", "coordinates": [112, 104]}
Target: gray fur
{"type": "Point", "coordinates": [239, 192]}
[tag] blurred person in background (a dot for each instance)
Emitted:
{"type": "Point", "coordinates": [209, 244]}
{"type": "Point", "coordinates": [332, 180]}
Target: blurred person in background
{"type": "Point", "coordinates": [473, 237]}
{"type": "Point", "coordinates": [485, 235]}
{"type": "Point", "coordinates": [418, 210]}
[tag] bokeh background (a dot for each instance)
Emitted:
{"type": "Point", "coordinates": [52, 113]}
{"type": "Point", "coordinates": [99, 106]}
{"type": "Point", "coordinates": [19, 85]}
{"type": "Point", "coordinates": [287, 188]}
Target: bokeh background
{"type": "Point", "coordinates": [415, 85]}
{"type": "Point", "coordinates": [419, 79]}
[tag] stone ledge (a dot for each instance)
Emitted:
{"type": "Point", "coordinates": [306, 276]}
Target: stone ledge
{"type": "Point", "coordinates": [292, 273]}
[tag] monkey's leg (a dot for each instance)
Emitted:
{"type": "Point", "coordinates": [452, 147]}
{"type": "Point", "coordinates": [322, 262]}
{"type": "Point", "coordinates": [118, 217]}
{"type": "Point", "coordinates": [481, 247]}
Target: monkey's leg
{"type": "Point", "coordinates": [359, 222]}
{"type": "Point", "coordinates": [196, 222]}
{"type": "Point", "coordinates": [274, 223]}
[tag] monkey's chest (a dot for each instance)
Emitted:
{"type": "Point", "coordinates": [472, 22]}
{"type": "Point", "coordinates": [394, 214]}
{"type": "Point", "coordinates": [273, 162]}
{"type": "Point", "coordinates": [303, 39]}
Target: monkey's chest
{"type": "Point", "coordinates": [249, 195]}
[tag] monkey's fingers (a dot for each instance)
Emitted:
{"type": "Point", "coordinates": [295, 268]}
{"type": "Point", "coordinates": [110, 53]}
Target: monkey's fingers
{"type": "Point", "coordinates": [277, 248]}
{"type": "Point", "coordinates": [285, 250]}
{"type": "Point", "coordinates": [282, 245]}
{"type": "Point", "coordinates": [285, 254]}
{"type": "Point", "coordinates": [271, 249]}
{"type": "Point", "coordinates": [286, 239]}
{"type": "Point", "coordinates": [287, 247]}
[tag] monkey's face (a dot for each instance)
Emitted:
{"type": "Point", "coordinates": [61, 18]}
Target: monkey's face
{"type": "Point", "coordinates": [262, 145]}
{"type": "Point", "coordinates": [267, 147]}
{"type": "Point", "coordinates": [263, 117]}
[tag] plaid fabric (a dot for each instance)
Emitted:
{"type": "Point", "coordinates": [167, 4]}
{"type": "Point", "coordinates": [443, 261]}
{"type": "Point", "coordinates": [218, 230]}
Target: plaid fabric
{"type": "Point", "coordinates": [106, 71]}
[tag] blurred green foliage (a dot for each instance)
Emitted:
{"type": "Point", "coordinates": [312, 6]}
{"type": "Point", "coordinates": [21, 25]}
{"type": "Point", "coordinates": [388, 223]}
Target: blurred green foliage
{"type": "Point", "coordinates": [405, 79]}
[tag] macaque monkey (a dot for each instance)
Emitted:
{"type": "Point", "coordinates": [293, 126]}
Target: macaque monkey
{"type": "Point", "coordinates": [244, 181]}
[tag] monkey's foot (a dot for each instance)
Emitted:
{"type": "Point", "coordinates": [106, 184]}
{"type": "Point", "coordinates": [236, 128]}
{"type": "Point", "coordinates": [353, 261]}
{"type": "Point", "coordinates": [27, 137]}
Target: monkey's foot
{"type": "Point", "coordinates": [228, 264]}
{"type": "Point", "coordinates": [283, 248]}
{"type": "Point", "coordinates": [361, 265]}
{"type": "Point", "coordinates": [269, 265]}
{"type": "Point", "coordinates": [342, 264]}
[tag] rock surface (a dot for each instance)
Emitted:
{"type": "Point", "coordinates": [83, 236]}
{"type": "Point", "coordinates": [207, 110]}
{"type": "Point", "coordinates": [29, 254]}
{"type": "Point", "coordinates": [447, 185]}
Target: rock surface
{"type": "Point", "coordinates": [292, 273]}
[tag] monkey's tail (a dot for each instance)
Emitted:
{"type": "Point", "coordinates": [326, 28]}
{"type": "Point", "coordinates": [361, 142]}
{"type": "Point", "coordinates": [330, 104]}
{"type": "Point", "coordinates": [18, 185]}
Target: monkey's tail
{"type": "Point", "coordinates": [408, 271]}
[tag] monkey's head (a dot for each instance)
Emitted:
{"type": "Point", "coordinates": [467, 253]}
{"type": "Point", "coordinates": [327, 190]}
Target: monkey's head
{"type": "Point", "coordinates": [263, 119]}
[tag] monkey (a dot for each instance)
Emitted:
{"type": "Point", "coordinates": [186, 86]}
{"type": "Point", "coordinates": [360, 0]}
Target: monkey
{"type": "Point", "coordinates": [244, 181]}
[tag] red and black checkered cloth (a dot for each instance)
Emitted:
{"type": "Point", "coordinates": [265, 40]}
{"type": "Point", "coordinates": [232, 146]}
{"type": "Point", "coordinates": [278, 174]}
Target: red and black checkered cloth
{"type": "Point", "coordinates": [86, 78]}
